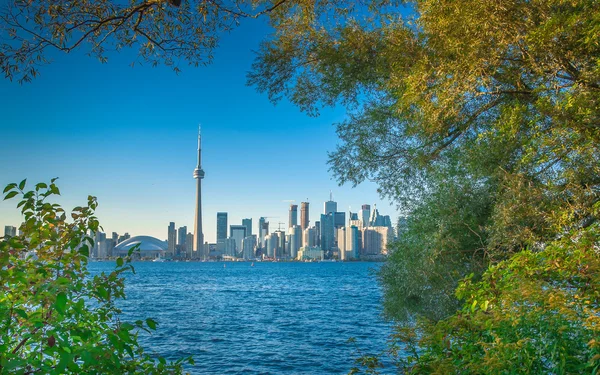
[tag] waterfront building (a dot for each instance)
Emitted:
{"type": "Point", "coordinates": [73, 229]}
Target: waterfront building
{"type": "Point", "coordinates": [353, 239]}
{"type": "Point", "coordinates": [199, 175]}
{"type": "Point", "coordinates": [124, 237]}
{"type": "Point", "coordinates": [327, 232]}
{"type": "Point", "coordinates": [115, 237]}
{"type": "Point", "coordinates": [304, 215]}
{"type": "Point", "coordinates": [221, 226]}
{"type": "Point", "coordinates": [272, 241]}
{"type": "Point", "coordinates": [317, 233]}
{"type": "Point", "coordinates": [248, 224]}
{"type": "Point", "coordinates": [99, 238]}
{"type": "Point", "coordinates": [293, 219]}
{"type": "Point", "coordinates": [295, 242]}
{"type": "Point", "coordinates": [171, 238]}
{"type": "Point", "coordinates": [263, 230]}
{"type": "Point", "coordinates": [248, 245]}
{"type": "Point", "coordinates": [238, 233]}
{"type": "Point", "coordinates": [281, 252]}
{"type": "Point", "coordinates": [308, 239]}
{"type": "Point", "coordinates": [230, 247]}
{"type": "Point", "coordinates": [189, 245]}
{"type": "Point", "coordinates": [181, 236]}
{"type": "Point", "coordinates": [311, 253]}
{"type": "Point", "coordinates": [341, 243]}
{"type": "Point", "coordinates": [9, 231]}
{"type": "Point", "coordinates": [375, 240]}
{"type": "Point", "coordinates": [149, 247]}
{"type": "Point", "coordinates": [365, 214]}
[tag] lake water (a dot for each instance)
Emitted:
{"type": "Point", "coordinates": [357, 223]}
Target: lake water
{"type": "Point", "coordinates": [273, 318]}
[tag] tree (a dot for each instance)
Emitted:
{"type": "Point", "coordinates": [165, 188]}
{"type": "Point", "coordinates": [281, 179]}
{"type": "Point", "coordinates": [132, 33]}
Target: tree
{"type": "Point", "coordinates": [163, 31]}
{"type": "Point", "coordinates": [55, 318]}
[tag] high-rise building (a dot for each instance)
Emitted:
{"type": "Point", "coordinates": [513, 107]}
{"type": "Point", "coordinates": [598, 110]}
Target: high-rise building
{"type": "Point", "coordinates": [9, 231]}
{"type": "Point", "coordinates": [327, 232]}
{"type": "Point", "coordinates": [181, 236]}
{"type": "Point", "coordinates": [248, 224]}
{"type": "Point", "coordinates": [221, 226]}
{"type": "Point", "coordinates": [330, 206]}
{"type": "Point", "coordinates": [308, 237]}
{"type": "Point", "coordinates": [280, 252]}
{"type": "Point", "coordinates": [352, 242]}
{"type": "Point", "coordinates": [365, 214]}
{"type": "Point", "coordinates": [199, 175]}
{"type": "Point", "coordinates": [304, 214]}
{"type": "Point", "coordinates": [238, 233]}
{"type": "Point", "coordinates": [272, 245]}
{"type": "Point", "coordinates": [171, 239]}
{"type": "Point", "coordinates": [339, 219]}
{"type": "Point", "coordinates": [189, 245]}
{"type": "Point", "coordinates": [293, 220]}
{"type": "Point", "coordinates": [341, 243]}
{"type": "Point", "coordinates": [115, 238]}
{"type": "Point", "coordinates": [295, 241]}
{"type": "Point", "coordinates": [263, 230]}
{"type": "Point", "coordinates": [375, 240]}
{"type": "Point", "coordinates": [248, 245]}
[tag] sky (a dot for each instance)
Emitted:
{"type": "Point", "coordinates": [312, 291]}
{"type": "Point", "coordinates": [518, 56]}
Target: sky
{"type": "Point", "coordinates": [129, 137]}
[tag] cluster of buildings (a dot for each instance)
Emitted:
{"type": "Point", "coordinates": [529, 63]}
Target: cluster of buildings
{"type": "Point", "coordinates": [357, 235]}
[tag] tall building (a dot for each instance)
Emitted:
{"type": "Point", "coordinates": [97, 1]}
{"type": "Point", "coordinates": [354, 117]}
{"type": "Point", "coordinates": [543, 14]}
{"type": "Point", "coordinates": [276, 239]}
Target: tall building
{"type": "Point", "coordinates": [327, 231]}
{"type": "Point", "coordinates": [189, 245]}
{"type": "Point", "coordinates": [330, 206]}
{"type": "Point", "coordinates": [341, 243]}
{"type": "Point", "coordinates": [199, 175]}
{"type": "Point", "coordinates": [304, 220]}
{"type": "Point", "coordinates": [295, 241]}
{"type": "Point", "coordinates": [308, 237]}
{"type": "Point", "coordinates": [171, 239]}
{"type": "Point", "coordinates": [352, 242]}
{"type": "Point", "coordinates": [248, 224]}
{"type": "Point", "coordinates": [293, 220]}
{"type": "Point", "coordinates": [9, 231]}
{"type": "Point", "coordinates": [365, 214]}
{"type": "Point", "coordinates": [375, 240]}
{"type": "Point", "coordinates": [248, 245]}
{"type": "Point", "coordinates": [339, 219]}
{"type": "Point", "coordinates": [181, 236]}
{"type": "Point", "coordinates": [238, 233]}
{"type": "Point", "coordinates": [221, 226]}
{"type": "Point", "coordinates": [263, 230]}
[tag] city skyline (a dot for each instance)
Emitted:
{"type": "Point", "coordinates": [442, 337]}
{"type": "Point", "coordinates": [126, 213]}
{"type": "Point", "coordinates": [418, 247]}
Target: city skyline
{"type": "Point", "coordinates": [134, 149]}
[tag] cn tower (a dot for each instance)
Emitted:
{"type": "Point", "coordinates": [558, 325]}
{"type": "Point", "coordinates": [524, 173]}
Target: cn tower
{"type": "Point", "coordinates": [199, 175]}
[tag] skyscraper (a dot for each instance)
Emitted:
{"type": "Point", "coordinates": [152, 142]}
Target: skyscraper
{"type": "Point", "coordinates": [365, 214]}
{"type": "Point", "coordinates": [181, 236]}
{"type": "Point", "coordinates": [330, 206]}
{"type": "Point", "coordinates": [238, 233]}
{"type": "Point", "coordinates": [293, 215]}
{"type": "Point", "coordinates": [263, 230]}
{"type": "Point", "coordinates": [221, 226]}
{"type": "Point", "coordinates": [327, 231]}
{"type": "Point", "coordinates": [304, 220]}
{"type": "Point", "coordinates": [199, 175]}
{"type": "Point", "coordinates": [172, 238]}
{"type": "Point", "coordinates": [248, 224]}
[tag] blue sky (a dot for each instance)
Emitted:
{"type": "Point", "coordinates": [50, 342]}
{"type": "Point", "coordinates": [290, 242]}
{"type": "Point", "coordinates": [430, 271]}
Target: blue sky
{"type": "Point", "coordinates": [128, 136]}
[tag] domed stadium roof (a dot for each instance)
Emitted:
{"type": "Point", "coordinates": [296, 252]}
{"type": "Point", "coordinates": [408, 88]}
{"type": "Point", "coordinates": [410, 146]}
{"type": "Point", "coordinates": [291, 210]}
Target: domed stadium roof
{"type": "Point", "coordinates": [147, 243]}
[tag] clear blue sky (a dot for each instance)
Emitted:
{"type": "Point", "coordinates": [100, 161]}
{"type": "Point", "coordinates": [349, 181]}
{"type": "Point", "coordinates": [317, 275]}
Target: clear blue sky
{"type": "Point", "coordinates": [128, 136]}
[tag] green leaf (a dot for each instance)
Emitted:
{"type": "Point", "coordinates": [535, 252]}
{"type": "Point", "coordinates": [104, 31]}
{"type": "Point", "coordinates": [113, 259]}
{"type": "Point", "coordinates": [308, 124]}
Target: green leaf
{"type": "Point", "coordinates": [473, 305]}
{"type": "Point", "coordinates": [84, 250]}
{"type": "Point", "coordinates": [61, 303]}
{"type": "Point", "coordinates": [41, 185]}
{"type": "Point", "coordinates": [22, 184]}
{"type": "Point", "coordinates": [151, 323]}
{"type": "Point", "coordinates": [11, 194]}
{"type": "Point", "coordinates": [9, 187]}
{"type": "Point", "coordinates": [119, 262]}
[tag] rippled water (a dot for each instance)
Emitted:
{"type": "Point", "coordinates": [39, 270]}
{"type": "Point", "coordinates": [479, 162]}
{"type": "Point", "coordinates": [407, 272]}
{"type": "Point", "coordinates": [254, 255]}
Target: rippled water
{"type": "Point", "coordinates": [273, 318]}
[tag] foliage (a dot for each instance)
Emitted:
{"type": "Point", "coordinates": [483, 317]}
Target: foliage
{"type": "Point", "coordinates": [536, 313]}
{"type": "Point", "coordinates": [478, 118]}
{"type": "Point", "coordinates": [163, 31]}
{"type": "Point", "coordinates": [55, 318]}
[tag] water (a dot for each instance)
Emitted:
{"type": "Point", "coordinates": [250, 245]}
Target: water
{"type": "Point", "coordinates": [273, 318]}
